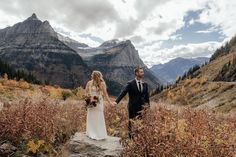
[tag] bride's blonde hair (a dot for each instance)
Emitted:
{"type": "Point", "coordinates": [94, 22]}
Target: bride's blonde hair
{"type": "Point", "coordinates": [97, 80]}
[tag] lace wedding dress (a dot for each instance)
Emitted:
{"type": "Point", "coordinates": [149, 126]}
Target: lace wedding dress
{"type": "Point", "coordinates": [95, 124]}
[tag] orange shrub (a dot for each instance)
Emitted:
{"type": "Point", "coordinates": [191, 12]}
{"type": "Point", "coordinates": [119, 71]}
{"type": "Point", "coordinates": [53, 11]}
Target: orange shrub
{"type": "Point", "coordinates": [189, 132]}
{"type": "Point", "coordinates": [46, 120]}
{"type": "Point", "coordinates": [10, 83]}
{"type": "Point", "coordinates": [79, 93]}
{"type": "Point", "coordinates": [52, 91]}
{"type": "Point", "coordinates": [1, 87]}
{"type": "Point", "coordinates": [23, 84]}
{"type": "Point", "coordinates": [117, 119]}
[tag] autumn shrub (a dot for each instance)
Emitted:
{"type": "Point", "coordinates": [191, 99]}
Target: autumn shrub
{"type": "Point", "coordinates": [23, 84]}
{"type": "Point", "coordinates": [53, 92]}
{"type": "Point", "coordinates": [1, 87]}
{"type": "Point", "coordinates": [179, 96]}
{"type": "Point", "coordinates": [10, 83]}
{"type": "Point", "coordinates": [79, 93]}
{"type": "Point", "coordinates": [66, 94]}
{"type": "Point", "coordinates": [117, 120]}
{"type": "Point", "coordinates": [27, 122]}
{"type": "Point", "coordinates": [181, 133]}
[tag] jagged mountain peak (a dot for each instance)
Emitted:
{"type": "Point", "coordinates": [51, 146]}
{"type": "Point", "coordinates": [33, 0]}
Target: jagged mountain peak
{"type": "Point", "coordinates": [33, 17]}
{"type": "Point", "coordinates": [115, 42]}
{"type": "Point", "coordinates": [46, 22]}
{"type": "Point", "coordinates": [109, 43]}
{"type": "Point", "coordinates": [32, 25]}
{"type": "Point", "coordinates": [33, 45]}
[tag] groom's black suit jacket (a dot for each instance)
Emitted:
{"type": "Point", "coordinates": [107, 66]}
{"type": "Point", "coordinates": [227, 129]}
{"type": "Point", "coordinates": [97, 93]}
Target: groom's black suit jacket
{"type": "Point", "coordinates": [136, 98]}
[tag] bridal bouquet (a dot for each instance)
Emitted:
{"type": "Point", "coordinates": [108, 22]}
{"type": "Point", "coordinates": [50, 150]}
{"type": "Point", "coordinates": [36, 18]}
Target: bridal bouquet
{"type": "Point", "coordinates": [91, 101]}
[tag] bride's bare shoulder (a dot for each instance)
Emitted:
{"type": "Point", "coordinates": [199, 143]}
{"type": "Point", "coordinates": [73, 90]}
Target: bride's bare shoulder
{"type": "Point", "coordinates": [103, 84]}
{"type": "Point", "coordinates": [89, 82]}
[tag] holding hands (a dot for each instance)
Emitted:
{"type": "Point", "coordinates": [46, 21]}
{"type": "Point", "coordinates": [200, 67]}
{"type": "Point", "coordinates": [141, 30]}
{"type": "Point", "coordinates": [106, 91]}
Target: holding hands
{"type": "Point", "coordinates": [114, 103]}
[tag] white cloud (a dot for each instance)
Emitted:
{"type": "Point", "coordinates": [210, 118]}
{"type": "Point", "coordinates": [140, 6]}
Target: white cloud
{"type": "Point", "coordinates": [220, 13]}
{"type": "Point", "coordinates": [8, 20]}
{"type": "Point", "coordinates": [147, 23]}
{"type": "Point", "coordinates": [210, 30]}
{"type": "Point", "coordinates": [191, 22]}
{"type": "Point", "coordinates": [156, 56]}
{"type": "Point", "coordinates": [73, 35]}
{"type": "Point", "coordinates": [167, 18]}
{"type": "Point", "coordinates": [176, 37]}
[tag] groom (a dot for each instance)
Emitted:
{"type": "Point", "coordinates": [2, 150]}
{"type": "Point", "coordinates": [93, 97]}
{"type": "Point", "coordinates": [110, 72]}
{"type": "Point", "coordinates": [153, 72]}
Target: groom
{"type": "Point", "coordinates": [138, 96]}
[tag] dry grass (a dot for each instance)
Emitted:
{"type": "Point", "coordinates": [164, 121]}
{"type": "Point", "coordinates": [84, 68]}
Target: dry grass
{"type": "Point", "coordinates": [200, 92]}
{"type": "Point", "coordinates": [211, 70]}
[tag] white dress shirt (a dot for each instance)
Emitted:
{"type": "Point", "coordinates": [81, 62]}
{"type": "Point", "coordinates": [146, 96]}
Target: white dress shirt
{"type": "Point", "coordinates": [140, 84]}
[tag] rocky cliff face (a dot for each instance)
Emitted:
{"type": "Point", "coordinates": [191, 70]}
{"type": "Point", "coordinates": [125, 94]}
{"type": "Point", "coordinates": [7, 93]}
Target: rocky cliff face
{"type": "Point", "coordinates": [33, 45]}
{"type": "Point", "coordinates": [29, 27]}
{"type": "Point", "coordinates": [71, 43]}
{"type": "Point", "coordinates": [117, 60]}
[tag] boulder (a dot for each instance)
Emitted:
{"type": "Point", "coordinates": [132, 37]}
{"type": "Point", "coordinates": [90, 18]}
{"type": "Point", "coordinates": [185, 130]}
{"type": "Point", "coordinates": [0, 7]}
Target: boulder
{"type": "Point", "coordinates": [83, 146]}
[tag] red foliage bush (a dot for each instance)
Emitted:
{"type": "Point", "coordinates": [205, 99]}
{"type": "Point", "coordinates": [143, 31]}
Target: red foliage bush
{"type": "Point", "coordinates": [45, 120]}
{"type": "Point", "coordinates": [189, 132]}
{"type": "Point", "coordinates": [161, 132]}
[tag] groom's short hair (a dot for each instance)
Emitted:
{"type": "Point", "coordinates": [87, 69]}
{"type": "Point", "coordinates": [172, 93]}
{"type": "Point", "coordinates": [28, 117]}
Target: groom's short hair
{"type": "Point", "coordinates": [137, 69]}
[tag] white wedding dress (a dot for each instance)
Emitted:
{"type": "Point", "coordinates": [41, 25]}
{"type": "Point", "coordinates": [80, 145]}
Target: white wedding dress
{"type": "Point", "coordinates": [95, 124]}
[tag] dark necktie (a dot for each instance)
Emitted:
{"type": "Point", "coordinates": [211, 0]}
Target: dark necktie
{"type": "Point", "coordinates": [139, 86]}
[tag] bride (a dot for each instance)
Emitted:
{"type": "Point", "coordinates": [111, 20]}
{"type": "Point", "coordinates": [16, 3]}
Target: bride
{"type": "Point", "coordinates": [95, 124]}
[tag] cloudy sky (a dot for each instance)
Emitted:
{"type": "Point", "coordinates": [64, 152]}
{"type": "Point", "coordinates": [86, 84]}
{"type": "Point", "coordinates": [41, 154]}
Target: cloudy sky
{"type": "Point", "coordinates": [160, 29]}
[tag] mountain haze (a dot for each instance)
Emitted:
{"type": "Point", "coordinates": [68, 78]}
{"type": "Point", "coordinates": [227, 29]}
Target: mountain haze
{"type": "Point", "coordinates": [177, 67]}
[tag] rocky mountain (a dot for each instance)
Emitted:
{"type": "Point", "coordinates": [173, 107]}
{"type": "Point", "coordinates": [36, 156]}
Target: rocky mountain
{"type": "Point", "coordinates": [34, 46]}
{"type": "Point", "coordinates": [71, 43]}
{"type": "Point", "coordinates": [176, 67]}
{"type": "Point", "coordinates": [117, 60]}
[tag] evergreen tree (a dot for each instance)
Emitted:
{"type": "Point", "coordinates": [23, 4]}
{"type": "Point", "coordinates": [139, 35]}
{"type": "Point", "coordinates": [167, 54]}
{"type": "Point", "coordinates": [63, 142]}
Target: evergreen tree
{"type": "Point", "coordinates": [16, 74]}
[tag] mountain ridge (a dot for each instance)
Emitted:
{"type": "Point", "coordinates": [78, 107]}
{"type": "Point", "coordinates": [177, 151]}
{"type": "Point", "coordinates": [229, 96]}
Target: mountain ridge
{"type": "Point", "coordinates": [33, 45]}
{"type": "Point", "coordinates": [169, 71]}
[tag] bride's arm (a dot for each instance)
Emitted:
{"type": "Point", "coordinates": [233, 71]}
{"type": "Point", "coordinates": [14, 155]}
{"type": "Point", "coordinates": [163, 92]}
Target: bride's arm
{"type": "Point", "coordinates": [105, 92]}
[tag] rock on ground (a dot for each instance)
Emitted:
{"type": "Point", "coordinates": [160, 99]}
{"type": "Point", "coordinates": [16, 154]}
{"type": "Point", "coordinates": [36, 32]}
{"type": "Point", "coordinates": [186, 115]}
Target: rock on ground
{"type": "Point", "coordinates": [6, 149]}
{"type": "Point", "coordinates": [82, 146]}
